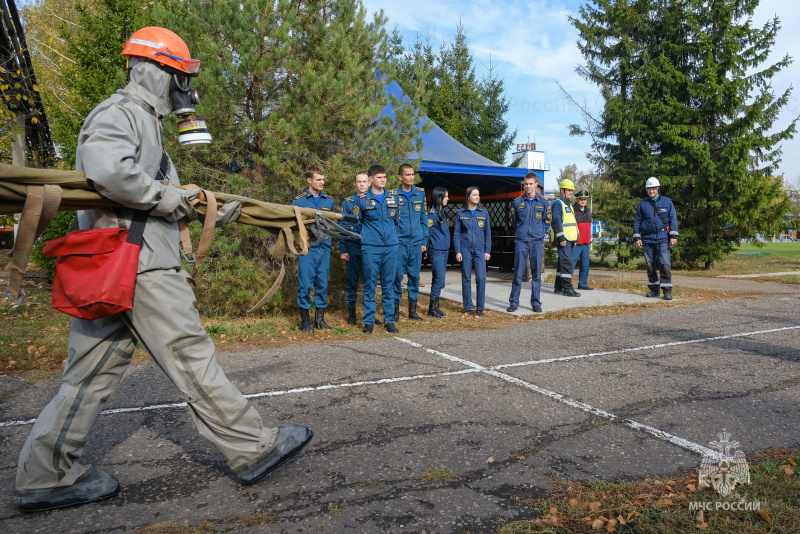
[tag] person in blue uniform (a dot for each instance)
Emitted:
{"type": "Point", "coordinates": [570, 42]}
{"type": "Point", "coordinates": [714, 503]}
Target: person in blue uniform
{"type": "Point", "coordinates": [438, 248]}
{"type": "Point", "coordinates": [564, 233]}
{"type": "Point", "coordinates": [378, 212]}
{"type": "Point", "coordinates": [313, 268]}
{"type": "Point", "coordinates": [473, 243]}
{"type": "Point", "coordinates": [412, 234]}
{"type": "Point", "coordinates": [351, 250]}
{"type": "Point", "coordinates": [655, 228]}
{"type": "Point", "coordinates": [530, 217]}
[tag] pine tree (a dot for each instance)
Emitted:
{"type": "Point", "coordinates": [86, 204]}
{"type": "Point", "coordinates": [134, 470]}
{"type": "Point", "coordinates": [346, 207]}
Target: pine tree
{"type": "Point", "coordinates": [455, 97]}
{"type": "Point", "coordinates": [493, 138]}
{"type": "Point", "coordinates": [288, 85]}
{"type": "Point", "coordinates": [685, 101]}
{"type": "Point", "coordinates": [85, 66]}
{"type": "Point", "coordinates": [448, 91]}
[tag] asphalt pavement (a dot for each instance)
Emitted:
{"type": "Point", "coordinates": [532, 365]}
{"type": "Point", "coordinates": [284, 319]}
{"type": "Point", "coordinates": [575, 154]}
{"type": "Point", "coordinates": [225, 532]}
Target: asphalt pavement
{"type": "Point", "coordinates": [444, 432]}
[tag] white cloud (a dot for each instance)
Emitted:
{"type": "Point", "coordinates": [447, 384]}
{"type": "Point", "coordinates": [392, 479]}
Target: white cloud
{"type": "Point", "coordinates": [533, 44]}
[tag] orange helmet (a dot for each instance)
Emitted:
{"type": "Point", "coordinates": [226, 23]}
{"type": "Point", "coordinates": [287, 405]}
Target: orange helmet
{"type": "Point", "coordinates": [163, 47]}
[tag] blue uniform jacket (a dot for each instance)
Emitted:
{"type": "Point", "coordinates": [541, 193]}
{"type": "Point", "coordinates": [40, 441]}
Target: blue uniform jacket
{"type": "Point", "coordinates": [347, 246]}
{"type": "Point", "coordinates": [379, 220]}
{"type": "Point", "coordinates": [306, 200]}
{"type": "Point", "coordinates": [438, 231]}
{"type": "Point", "coordinates": [530, 219]}
{"type": "Point", "coordinates": [472, 231]}
{"type": "Point", "coordinates": [648, 226]}
{"type": "Point", "coordinates": [413, 229]}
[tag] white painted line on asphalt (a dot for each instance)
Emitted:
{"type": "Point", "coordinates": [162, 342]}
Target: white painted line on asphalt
{"type": "Point", "coordinates": [647, 347]}
{"type": "Point", "coordinates": [270, 394]}
{"type": "Point", "coordinates": [472, 368]}
{"type": "Point", "coordinates": [660, 434]}
{"type": "Point", "coordinates": [359, 384]}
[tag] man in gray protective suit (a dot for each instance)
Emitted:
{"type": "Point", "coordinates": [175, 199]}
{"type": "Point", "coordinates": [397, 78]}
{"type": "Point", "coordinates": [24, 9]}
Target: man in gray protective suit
{"type": "Point", "coordinates": [120, 151]}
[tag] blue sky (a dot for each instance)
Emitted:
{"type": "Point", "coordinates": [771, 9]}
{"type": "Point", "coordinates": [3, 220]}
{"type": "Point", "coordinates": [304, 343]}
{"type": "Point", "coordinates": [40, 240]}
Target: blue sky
{"type": "Point", "coordinates": [533, 46]}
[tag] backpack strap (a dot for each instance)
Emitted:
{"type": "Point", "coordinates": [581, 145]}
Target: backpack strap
{"type": "Point", "coordinates": [660, 216]}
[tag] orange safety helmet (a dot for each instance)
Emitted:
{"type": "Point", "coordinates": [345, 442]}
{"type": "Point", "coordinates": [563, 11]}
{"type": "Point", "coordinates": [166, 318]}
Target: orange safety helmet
{"type": "Point", "coordinates": [162, 46]}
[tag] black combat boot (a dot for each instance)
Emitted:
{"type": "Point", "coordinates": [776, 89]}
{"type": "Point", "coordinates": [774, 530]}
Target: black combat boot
{"type": "Point", "coordinates": [667, 293]}
{"type": "Point", "coordinates": [351, 314]}
{"type": "Point", "coordinates": [397, 311]}
{"type": "Point", "coordinates": [412, 311]}
{"type": "Point", "coordinates": [653, 293]}
{"type": "Point", "coordinates": [319, 319]}
{"type": "Point", "coordinates": [439, 312]}
{"type": "Point", "coordinates": [305, 321]}
{"type": "Point", "coordinates": [432, 308]}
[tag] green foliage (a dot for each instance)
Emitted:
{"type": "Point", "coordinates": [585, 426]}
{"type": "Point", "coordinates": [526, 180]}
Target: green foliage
{"type": "Point", "coordinates": [688, 101]}
{"type": "Point", "coordinates": [60, 225]}
{"type": "Point", "coordinates": [471, 111]}
{"type": "Point", "coordinates": [94, 41]}
{"type": "Point", "coordinates": [233, 277]}
{"type": "Point", "coordinates": [285, 86]}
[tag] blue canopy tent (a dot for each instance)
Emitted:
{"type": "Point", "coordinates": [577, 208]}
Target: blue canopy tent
{"type": "Point", "coordinates": [448, 163]}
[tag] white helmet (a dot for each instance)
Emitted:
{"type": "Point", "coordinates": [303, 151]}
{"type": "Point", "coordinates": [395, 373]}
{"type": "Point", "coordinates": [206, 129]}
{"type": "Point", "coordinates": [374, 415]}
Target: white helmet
{"type": "Point", "coordinates": [652, 182]}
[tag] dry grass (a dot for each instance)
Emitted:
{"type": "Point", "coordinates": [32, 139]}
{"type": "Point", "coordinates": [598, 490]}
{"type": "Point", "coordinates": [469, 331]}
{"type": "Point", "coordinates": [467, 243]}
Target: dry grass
{"type": "Point", "coordinates": [34, 337]}
{"type": "Point", "coordinates": [661, 505]}
{"type": "Point", "coordinates": [439, 475]}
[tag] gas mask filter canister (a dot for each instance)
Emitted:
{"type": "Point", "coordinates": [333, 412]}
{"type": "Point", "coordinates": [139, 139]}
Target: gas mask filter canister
{"type": "Point", "coordinates": [192, 130]}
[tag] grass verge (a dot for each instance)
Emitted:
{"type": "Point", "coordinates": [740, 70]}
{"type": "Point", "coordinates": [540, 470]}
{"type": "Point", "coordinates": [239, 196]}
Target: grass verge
{"type": "Point", "coordinates": [34, 337]}
{"type": "Point", "coordinates": [667, 505]}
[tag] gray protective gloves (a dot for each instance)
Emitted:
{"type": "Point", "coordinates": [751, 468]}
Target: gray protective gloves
{"type": "Point", "coordinates": [229, 212]}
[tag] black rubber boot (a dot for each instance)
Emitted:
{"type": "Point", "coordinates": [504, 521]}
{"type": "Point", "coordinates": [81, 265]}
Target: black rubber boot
{"type": "Point", "coordinates": [319, 319]}
{"type": "Point", "coordinates": [397, 311]}
{"type": "Point", "coordinates": [432, 308]}
{"type": "Point", "coordinates": [289, 441]}
{"type": "Point", "coordinates": [412, 311]}
{"type": "Point", "coordinates": [305, 321]}
{"type": "Point", "coordinates": [351, 314]}
{"type": "Point", "coordinates": [94, 485]}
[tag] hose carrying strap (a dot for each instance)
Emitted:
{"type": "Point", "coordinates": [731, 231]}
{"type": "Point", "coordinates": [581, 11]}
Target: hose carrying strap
{"type": "Point", "coordinates": [40, 207]}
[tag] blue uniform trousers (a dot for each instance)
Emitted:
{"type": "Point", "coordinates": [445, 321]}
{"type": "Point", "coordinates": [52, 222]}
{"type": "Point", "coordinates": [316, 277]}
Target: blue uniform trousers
{"type": "Point", "coordinates": [438, 270]}
{"type": "Point", "coordinates": [527, 253]}
{"type": "Point", "coordinates": [656, 255]}
{"type": "Point", "coordinates": [379, 261]}
{"type": "Point", "coordinates": [564, 266]}
{"type": "Point", "coordinates": [312, 272]}
{"type": "Point", "coordinates": [472, 259]}
{"type": "Point", "coordinates": [580, 259]}
{"type": "Point", "coordinates": [352, 274]}
{"type": "Point", "coordinates": [409, 260]}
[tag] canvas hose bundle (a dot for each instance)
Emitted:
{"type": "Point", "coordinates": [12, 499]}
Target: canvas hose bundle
{"type": "Point", "coordinates": [40, 193]}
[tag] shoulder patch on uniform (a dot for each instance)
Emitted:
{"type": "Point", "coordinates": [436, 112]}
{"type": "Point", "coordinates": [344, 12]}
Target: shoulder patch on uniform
{"type": "Point", "coordinates": [420, 189]}
{"type": "Point", "coordinates": [301, 195]}
{"type": "Point", "coordinates": [394, 192]}
{"type": "Point", "coordinates": [362, 195]}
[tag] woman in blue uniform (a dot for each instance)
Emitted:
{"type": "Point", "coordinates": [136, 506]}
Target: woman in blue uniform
{"type": "Point", "coordinates": [438, 247]}
{"type": "Point", "coordinates": [473, 243]}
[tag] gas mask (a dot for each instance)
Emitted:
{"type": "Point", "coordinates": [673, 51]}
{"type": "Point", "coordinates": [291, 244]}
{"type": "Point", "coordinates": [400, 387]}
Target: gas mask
{"type": "Point", "coordinates": [192, 130]}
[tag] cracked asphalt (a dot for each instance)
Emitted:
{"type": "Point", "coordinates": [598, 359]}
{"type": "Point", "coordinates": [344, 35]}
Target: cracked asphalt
{"type": "Point", "coordinates": [504, 412]}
